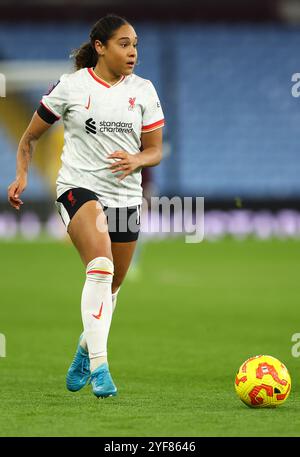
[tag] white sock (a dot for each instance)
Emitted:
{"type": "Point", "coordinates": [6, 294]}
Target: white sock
{"type": "Point", "coordinates": [96, 362]}
{"type": "Point", "coordinates": [96, 306]}
{"type": "Point", "coordinates": [114, 297]}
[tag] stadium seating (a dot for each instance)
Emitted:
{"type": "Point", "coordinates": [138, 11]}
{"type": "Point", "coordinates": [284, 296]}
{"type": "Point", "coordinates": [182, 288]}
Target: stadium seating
{"type": "Point", "coordinates": [239, 123]}
{"type": "Point", "coordinates": [232, 123]}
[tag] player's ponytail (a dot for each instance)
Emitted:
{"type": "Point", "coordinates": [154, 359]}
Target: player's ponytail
{"type": "Point", "coordinates": [85, 56]}
{"type": "Point", "coordinates": [103, 30]}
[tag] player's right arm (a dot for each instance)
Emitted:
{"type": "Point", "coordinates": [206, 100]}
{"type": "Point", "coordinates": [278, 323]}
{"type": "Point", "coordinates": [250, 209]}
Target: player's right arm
{"type": "Point", "coordinates": [26, 147]}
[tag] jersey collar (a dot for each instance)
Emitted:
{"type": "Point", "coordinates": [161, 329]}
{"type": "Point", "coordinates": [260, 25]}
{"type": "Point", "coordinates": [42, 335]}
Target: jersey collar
{"type": "Point", "coordinates": [101, 81]}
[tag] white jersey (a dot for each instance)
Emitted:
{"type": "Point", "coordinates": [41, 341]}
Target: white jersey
{"type": "Point", "coordinates": [100, 119]}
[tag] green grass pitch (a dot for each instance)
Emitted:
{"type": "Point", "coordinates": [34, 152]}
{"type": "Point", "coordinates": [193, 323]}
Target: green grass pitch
{"type": "Point", "coordinates": [179, 334]}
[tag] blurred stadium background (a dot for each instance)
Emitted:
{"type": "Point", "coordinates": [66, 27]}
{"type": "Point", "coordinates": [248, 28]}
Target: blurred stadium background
{"type": "Point", "coordinates": [223, 70]}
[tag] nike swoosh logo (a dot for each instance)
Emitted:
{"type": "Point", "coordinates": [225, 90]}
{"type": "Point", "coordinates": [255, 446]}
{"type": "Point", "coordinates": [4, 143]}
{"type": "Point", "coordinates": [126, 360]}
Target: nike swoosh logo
{"type": "Point", "coordinates": [97, 316]}
{"type": "Point", "coordinates": [89, 102]}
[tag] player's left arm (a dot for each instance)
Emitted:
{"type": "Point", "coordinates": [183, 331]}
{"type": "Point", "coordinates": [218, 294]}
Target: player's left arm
{"type": "Point", "coordinates": [150, 155]}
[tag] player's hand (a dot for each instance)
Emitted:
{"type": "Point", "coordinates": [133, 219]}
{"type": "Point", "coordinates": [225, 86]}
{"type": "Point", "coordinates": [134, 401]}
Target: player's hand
{"type": "Point", "coordinates": [15, 190]}
{"type": "Point", "coordinates": [126, 163]}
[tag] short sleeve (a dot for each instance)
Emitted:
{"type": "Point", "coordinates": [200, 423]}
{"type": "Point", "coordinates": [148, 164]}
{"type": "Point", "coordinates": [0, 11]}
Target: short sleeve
{"type": "Point", "coordinates": [54, 104]}
{"type": "Point", "coordinates": [153, 116]}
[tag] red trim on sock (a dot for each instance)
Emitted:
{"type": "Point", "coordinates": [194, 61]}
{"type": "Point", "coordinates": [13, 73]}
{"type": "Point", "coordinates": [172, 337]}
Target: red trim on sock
{"type": "Point", "coordinates": [91, 272]}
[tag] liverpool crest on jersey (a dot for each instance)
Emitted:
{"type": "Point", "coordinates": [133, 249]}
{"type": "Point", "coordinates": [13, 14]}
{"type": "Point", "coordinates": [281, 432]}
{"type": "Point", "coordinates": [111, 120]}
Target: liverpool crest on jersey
{"type": "Point", "coordinates": [131, 103]}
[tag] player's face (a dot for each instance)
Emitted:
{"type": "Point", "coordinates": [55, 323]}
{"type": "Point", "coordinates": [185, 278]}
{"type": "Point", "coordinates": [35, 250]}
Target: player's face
{"type": "Point", "coordinates": [120, 52]}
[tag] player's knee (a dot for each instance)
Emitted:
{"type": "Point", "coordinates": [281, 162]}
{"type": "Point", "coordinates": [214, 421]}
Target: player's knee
{"type": "Point", "coordinates": [100, 269]}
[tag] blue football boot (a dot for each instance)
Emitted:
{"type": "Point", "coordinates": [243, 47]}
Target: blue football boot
{"type": "Point", "coordinates": [102, 383]}
{"type": "Point", "coordinates": [79, 373]}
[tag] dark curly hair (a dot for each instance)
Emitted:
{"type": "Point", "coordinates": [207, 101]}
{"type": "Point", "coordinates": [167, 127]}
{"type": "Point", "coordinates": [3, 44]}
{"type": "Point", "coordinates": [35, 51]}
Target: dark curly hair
{"type": "Point", "coordinates": [102, 30]}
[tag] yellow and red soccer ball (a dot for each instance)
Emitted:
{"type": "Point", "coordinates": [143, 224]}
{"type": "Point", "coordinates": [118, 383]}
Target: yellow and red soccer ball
{"type": "Point", "coordinates": [263, 381]}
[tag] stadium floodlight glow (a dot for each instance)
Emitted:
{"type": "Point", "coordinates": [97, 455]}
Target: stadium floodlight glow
{"type": "Point", "coordinates": [2, 85]}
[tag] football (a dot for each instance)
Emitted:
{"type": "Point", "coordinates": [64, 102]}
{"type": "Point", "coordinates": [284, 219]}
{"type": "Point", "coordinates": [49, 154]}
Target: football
{"type": "Point", "coordinates": [263, 381]}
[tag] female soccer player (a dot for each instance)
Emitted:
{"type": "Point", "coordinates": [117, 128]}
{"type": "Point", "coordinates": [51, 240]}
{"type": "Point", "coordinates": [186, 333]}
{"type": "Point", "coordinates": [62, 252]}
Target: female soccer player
{"type": "Point", "coordinates": [112, 128]}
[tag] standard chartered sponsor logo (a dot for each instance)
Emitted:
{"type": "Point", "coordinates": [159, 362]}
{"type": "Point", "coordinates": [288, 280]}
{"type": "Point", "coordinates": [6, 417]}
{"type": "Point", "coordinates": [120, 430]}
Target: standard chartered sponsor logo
{"type": "Point", "coordinates": [112, 127]}
{"type": "Point", "coordinates": [108, 126]}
